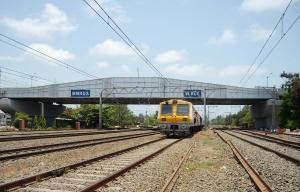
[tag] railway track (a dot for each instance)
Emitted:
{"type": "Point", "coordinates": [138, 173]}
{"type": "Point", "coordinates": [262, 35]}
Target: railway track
{"type": "Point", "coordinates": [16, 153]}
{"type": "Point", "coordinates": [270, 138]}
{"type": "Point", "coordinates": [169, 185]}
{"type": "Point", "coordinates": [89, 175]}
{"type": "Point", "coordinates": [279, 168]}
{"type": "Point", "coordinates": [50, 135]}
{"type": "Point", "coordinates": [276, 151]}
{"type": "Point", "coordinates": [255, 177]}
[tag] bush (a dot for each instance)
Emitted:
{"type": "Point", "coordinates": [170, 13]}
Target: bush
{"type": "Point", "coordinates": [43, 122]}
{"type": "Point", "coordinates": [36, 123]}
{"type": "Point", "coordinates": [24, 116]}
{"type": "Point", "coordinates": [54, 126]}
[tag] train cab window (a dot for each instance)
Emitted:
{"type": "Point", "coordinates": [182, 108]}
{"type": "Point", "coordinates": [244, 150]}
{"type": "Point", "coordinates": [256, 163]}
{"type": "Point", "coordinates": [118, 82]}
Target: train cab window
{"type": "Point", "coordinates": [166, 109]}
{"type": "Point", "coordinates": [182, 109]}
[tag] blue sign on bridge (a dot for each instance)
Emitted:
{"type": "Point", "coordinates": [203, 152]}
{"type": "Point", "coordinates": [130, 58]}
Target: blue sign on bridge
{"type": "Point", "coordinates": [80, 93]}
{"type": "Point", "coordinates": [192, 93]}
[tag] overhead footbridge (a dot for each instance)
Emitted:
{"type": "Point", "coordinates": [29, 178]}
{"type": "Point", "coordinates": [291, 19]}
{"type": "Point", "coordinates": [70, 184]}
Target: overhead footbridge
{"type": "Point", "coordinates": [49, 99]}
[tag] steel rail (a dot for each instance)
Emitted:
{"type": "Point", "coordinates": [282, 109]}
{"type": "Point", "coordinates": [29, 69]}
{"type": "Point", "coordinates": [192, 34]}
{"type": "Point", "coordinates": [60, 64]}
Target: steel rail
{"type": "Point", "coordinates": [41, 132]}
{"type": "Point", "coordinates": [291, 134]}
{"type": "Point", "coordinates": [73, 146]}
{"type": "Point", "coordinates": [258, 181]}
{"type": "Point", "coordinates": [282, 155]}
{"type": "Point", "coordinates": [116, 174]}
{"type": "Point", "coordinates": [17, 138]}
{"type": "Point", "coordinates": [265, 137]}
{"type": "Point", "coordinates": [62, 170]}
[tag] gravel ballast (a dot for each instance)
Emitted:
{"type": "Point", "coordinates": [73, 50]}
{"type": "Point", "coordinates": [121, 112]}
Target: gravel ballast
{"type": "Point", "coordinates": [280, 174]}
{"type": "Point", "coordinates": [210, 167]}
{"type": "Point", "coordinates": [11, 170]}
{"type": "Point", "coordinates": [280, 148]}
{"type": "Point", "coordinates": [46, 141]}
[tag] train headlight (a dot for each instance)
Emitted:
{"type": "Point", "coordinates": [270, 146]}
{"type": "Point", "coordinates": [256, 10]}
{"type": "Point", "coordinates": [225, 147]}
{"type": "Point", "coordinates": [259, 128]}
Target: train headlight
{"type": "Point", "coordinates": [163, 126]}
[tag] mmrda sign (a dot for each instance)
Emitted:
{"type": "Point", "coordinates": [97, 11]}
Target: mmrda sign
{"type": "Point", "coordinates": [80, 93]}
{"type": "Point", "coordinates": [192, 93]}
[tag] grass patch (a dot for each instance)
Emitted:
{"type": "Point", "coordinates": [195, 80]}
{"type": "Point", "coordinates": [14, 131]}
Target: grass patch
{"type": "Point", "coordinates": [206, 141]}
{"type": "Point", "coordinates": [199, 165]}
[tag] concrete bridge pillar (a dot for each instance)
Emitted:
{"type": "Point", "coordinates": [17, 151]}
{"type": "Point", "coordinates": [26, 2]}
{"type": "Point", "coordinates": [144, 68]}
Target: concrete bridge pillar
{"type": "Point", "coordinates": [265, 114]}
{"type": "Point", "coordinates": [48, 110]}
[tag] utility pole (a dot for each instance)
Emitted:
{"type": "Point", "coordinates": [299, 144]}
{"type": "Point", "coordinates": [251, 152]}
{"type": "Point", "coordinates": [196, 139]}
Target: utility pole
{"type": "Point", "coordinates": [100, 109]}
{"type": "Point", "coordinates": [273, 110]}
{"type": "Point", "coordinates": [204, 102]}
{"type": "Point", "coordinates": [209, 113]}
{"type": "Point", "coordinates": [268, 79]}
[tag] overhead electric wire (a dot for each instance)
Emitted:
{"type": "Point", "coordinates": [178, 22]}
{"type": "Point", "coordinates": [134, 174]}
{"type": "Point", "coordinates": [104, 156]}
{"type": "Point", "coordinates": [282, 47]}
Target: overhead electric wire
{"type": "Point", "coordinates": [12, 82]}
{"type": "Point", "coordinates": [32, 76]}
{"type": "Point", "coordinates": [275, 45]}
{"type": "Point", "coordinates": [128, 42]}
{"type": "Point", "coordinates": [127, 37]}
{"type": "Point", "coordinates": [24, 77]}
{"type": "Point", "coordinates": [43, 55]}
{"type": "Point", "coordinates": [266, 42]}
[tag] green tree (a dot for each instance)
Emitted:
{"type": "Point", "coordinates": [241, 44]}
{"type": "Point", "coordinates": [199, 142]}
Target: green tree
{"type": "Point", "coordinates": [242, 118]}
{"type": "Point", "coordinates": [36, 122]}
{"type": "Point", "coordinates": [289, 114]}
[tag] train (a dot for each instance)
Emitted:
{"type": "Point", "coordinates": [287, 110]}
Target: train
{"type": "Point", "coordinates": [177, 117]}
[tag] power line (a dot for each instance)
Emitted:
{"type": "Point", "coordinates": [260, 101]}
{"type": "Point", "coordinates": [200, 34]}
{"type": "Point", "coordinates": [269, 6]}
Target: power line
{"type": "Point", "coordinates": [266, 42]}
{"type": "Point", "coordinates": [45, 56]}
{"type": "Point", "coordinates": [12, 82]}
{"type": "Point", "coordinates": [32, 76]}
{"type": "Point", "coordinates": [272, 49]}
{"type": "Point", "coordinates": [125, 37]}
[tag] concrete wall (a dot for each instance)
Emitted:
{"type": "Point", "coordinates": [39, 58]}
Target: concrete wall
{"type": "Point", "coordinates": [12, 106]}
{"type": "Point", "coordinates": [262, 113]}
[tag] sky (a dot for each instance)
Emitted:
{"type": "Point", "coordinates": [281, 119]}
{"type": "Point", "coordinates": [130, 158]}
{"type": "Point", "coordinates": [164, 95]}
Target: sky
{"type": "Point", "coordinates": [200, 40]}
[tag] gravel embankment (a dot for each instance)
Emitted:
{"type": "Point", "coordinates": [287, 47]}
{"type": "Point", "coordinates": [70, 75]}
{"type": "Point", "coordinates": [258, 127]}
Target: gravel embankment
{"type": "Point", "coordinates": [212, 167]}
{"type": "Point", "coordinates": [46, 141]}
{"type": "Point", "coordinates": [11, 170]}
{"type": "Point", "coordinates": [280, 148]}
{"type": "Point", "coordinates": [280, 174]}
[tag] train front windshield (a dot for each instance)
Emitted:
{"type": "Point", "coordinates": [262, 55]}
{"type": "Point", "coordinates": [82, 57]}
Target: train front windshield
{"type": "Point", "coordinates": [166, 109]}
{"type": "Point", "coordinates": [183, 109]}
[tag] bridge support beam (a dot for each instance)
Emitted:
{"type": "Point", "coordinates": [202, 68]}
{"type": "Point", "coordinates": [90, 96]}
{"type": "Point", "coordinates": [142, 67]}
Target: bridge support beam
{"type": "Point", "coordinates": [49, 111]}
{"type": "Point", "coordinates": [265, 114]}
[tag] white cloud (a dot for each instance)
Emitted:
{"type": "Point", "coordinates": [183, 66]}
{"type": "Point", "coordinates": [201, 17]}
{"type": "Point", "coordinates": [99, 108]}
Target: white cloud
{"type": "Point", "coordinates": [187, 70]}
{"type": "Point", "coordinates": [113, 8]}
{"type": "Point", "coordinates": [170, 56]}
{"type": "Point", "coordinates": [257, 33]}
{"type": "Point", "coordinates": [263, 5]}
{"type": "Point", "coordinates": [111, 48]}
{"type": "Point", "coordinates": [60, 54]}
{"type": "Point", "coordinates": [102, 64]}
{"type": "Point", "coordinates": [227, 37]}
{"type": "Point", "coordinates": [52, 20]}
